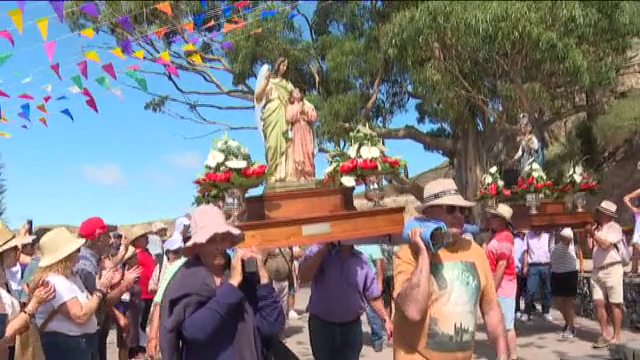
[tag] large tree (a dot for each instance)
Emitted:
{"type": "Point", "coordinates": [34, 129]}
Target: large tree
{"type": "Point", "coordinates": [470, 66]}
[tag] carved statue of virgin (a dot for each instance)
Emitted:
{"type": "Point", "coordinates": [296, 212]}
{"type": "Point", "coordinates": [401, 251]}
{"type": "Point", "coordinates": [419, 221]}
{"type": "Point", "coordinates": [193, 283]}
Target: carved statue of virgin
{"type": "Point", "coordinates": [530, 148]}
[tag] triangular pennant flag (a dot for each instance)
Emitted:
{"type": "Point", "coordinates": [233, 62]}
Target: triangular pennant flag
{"type": "Point", "coordinates": [227, 11]}
{"type": "Point", "coordinates": [210, 24]}
{"type": "Point", "coordinates": [24, 116]}
{"type": "Point", "coordinates": [43, 26]}
{"type": "Point", "coordinates": [4, 58]}
{"type": "Point", "coordinates": [48, 88]}
{"type": "Point", "coordinates": [165, 7]}
{"type": "Point", "coordinates": [132, 74]}
{"type": "Point", "coordinates": [16, 17]}
{"type": "Point", "coordinates": [189, 47]}
{"type": "Point", "coordinates": [126, 46]}
{"type": "Point", "coordinates": [46, 99]}
{"type": "Point", "coordinates": [26, 110]}
{"type": "Point", "coordinates": [172, 70]}
{"type": "Point", "coordinates": [56, 69]}
{"type": "Point", "coordinates": [63, 97]}
{"type": "Point", "coordinates": [139, 54]}
{"type": "Point", "coordinates": [117, 92]}
{"type": "Point", "coordinates": [104, 82]}
{"type": "Point", "coordinates": [26, 80]}
{"type": "Point", "coordinates": [195, 40]}
{"type": "Point", "coordinates": [198, 20]}
{"type": "Point", "coordinates": [227, 45]}
{"type": "Point", "coordinates": [4, 94]}
{"type": "Point", "coordinates": [77, 80]}
{"type": "Point", "coordinates": [88, 33]}
{"type": "Point", "coordinates": [160, 32]}
{"type": "Point", "coordinates": [42, 108]}
{"type": "Point", "coordinates": [7, 35]}
{"type": "Point", "coordinates": [23, 126]}
{"type": "Point", "coordinates": [4, 135]}
{"type": "Point", "coordinates": [68, 113]}
{"type": "Point", "coordinates": [203, 3]}
{"type": "Point", "coordinates": [118, 52]}
{"type": "Point", "coordinates": [162, 61]}
{"type": "Point", "coordinates": [87, 93]}
{"type": "Point", "coordinates": [74, 89]}
{"type": "Point", "coordinates": [26, 97]}
{"type": "Point", "coordinates": [267, 14]}
{"type": "Point", "coordinates": [43, 121]}
{"type": "Point", "coordinates": [125, 22]}
{"type": "Point", "coordinates": [142, 83]}
{"type": "Point", "coordinates": [242, 4]}
{"type": "Point", "coordinates": [108, 68]}
{"type": "Point", "coordinates": [196, 59]}
{"type": "Point", "coordinates": [93, 56]}
{"type": "Point", "coordinates": [90, 9]}
{"type": "Point", "coordinates": [50, 49]}
{"type": "Point", "coordinates": [165, 56]}
{"type": "Point", "coordinates": [133, 67]}
{"type": "Point", "coordinates": [21, 5]}
{"type": "Point", "coordinates": [92, 104]}
{"type": "Point", "coordinates": [82, 67]}
{"type": "Point", "coordinates": [58, 7]}
{"type": "Point", "coordinates": [188, 27]}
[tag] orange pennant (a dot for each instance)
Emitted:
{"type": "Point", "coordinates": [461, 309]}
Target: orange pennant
{"type": "Point", "coordinates": [210, 24]}
{"type": "Point", "coordinates": [165, 7]}
{"type": "Point", "coordinates": [42, 108]}
{"type": "Point", "coordinates": [44, 122]}
{"type": "Point", "coordinates": [160, 32]}
{"type": "Point", "coordinates": [188, 27]}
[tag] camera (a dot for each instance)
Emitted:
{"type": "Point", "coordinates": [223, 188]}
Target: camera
{"type": "Point", "coordinates": [250, 266]}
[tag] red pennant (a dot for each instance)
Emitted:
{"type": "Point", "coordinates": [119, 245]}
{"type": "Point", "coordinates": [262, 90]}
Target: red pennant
{"type": "Point", "coordinates": [108, 68]}
{"type": "Point", "coordinates": [25, 96]}
{"type": "Point", "coordinates": [2, 93]}
{"type": "Point", "coordinates": [46, 99]}
{"type": "Point", "coordinates": [56, 69]}
{"type": "Point", "coordinates": [42, 108]}
{"type": "Point", "coordinates": [160, 32]}
{"type": "Point", "coordinates": [86, 93]}
{"type": "Point", "coordinates": [82, 66]}
{"type": "Point", "coordinates": [43, 121]}
{"type": "Point", "coordinates": [92, 104]}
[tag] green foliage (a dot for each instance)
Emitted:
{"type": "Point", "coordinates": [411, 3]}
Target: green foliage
{"type": "Point", "coordinates": [620, 122]}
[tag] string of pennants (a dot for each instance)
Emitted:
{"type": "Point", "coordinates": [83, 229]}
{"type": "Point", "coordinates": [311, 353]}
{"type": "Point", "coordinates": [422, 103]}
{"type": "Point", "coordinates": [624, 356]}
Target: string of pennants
{"type": "Point", "coordinates": [123, 50]}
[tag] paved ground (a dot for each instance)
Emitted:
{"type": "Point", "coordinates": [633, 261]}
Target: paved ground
{"type": "Point", "coordinates": [538, 340]}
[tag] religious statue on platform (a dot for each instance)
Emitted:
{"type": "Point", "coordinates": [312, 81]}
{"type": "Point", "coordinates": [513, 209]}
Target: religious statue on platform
{"type": "Point", "coordinates": [530, 148]}
{"type": "Point", "coordinates": [284, 120]}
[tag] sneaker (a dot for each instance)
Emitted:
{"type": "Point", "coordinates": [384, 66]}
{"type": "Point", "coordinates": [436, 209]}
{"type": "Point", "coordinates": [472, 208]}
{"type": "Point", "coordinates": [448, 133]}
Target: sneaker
{"type": "Point", "coordinates": [293, 314]}
{"type": "Point", "coordinates": [547, 317]}
{"type": "Point", "coordinates": [568, 333]}
{"type": "Point", "coordinates": [378, 346]}
{"type": "Point", "coordinates": [601, 343]}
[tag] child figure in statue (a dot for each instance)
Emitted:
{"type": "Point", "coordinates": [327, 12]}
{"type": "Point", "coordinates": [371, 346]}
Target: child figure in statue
{"type": "Point", "coordinates": [530, 148]}
{"type": "Point", "coordinates": [300, 115]}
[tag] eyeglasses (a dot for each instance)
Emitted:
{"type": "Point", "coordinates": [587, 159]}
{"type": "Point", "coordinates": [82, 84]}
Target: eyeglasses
{"type": "Point", "coordinates": [450, 210]}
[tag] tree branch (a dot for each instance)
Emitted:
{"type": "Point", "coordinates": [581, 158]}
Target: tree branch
{"type": "Point", "coordinates": [429, 142]}
{"type": "Point", "coordinates": [376, 89]}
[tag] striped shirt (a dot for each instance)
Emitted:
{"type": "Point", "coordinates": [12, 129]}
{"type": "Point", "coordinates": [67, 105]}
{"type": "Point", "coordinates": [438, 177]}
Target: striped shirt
{"type": "Point", "coordinates": [563, 258]}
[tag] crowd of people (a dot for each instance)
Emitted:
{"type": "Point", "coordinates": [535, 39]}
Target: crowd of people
{"type": "Point", "coordinates": [192, 293]}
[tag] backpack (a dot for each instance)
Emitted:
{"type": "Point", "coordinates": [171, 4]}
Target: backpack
{"type": "Point", "coordinates": [623, 251]}
{"type": "Point", "coordinates": [278, 264]}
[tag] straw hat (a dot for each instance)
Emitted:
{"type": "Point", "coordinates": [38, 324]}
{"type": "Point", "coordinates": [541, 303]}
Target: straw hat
{"type": "Point", "coordinates": [131, 251]}
{"type": "Point", "coordinates": [566, 233]}
{"type": "Point", "coordinates": [442, 192]}
{"type": "Point", "coordinates": [207, 221]}
{"type": "Point", "coordinates": [502, 210]}
{"type": "Point", "coordinates": [157, 226]}
{"type": "Point", "coordinates": [57, 244]}
{"type": "Point", "coordinates": [17, 241]}
{"type": "Point", "coordinates": [138, 231]}
{"type": "Point", "coordinates": [608, 208]}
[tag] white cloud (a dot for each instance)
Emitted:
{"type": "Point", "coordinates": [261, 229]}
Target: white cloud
{"type": "Point", "coordinates": [187, 160]}
{"type": "Point", "coordinates": [162, 179]}
{"type": "Point", "coordinates": [107, 174]}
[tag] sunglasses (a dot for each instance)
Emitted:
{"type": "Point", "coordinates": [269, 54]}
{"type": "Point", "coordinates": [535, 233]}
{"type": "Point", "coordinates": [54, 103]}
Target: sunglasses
{"type": "Point", "coordinates": [450, 210]}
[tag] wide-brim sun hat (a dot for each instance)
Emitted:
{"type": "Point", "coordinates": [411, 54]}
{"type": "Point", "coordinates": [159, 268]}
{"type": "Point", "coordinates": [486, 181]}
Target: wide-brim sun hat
{"type": "Point", "coordinates": [443, 192]}
{"type": "Point", "coordinates": [138, 231]}
{"type": "Point", "coordinates": [503, 211]}
{"type": "Point", "coordinates": [6, 235]}
{"type": "Point", "coordinates": [608, 208]}
{"type": "Point", "coordinates": [17, 241]}
{"type": "Point", "coordinates": [207, 221]}
{"type": "Point", "coordinates": [157, 226]}
{"type": "Point", "coordinates": [57, 244]}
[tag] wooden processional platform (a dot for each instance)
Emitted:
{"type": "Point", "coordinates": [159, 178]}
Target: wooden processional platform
{"type": "Point", "coordinates": [551, 216]}
{"type": "Point", "coordinates": [302, 217]}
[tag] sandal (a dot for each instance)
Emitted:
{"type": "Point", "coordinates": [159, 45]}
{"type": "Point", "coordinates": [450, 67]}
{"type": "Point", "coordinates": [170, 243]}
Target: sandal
{"type": "Point", "coordinates": [601, 343]}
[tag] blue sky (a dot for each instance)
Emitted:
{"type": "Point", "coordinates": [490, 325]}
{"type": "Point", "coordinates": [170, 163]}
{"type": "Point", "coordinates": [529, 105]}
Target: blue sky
{"type": "Point", "coordinates": [124, 164]}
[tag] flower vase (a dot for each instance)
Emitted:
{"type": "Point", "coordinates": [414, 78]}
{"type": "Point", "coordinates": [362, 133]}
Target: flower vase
{"type": "Point", "coordinates": [580, 199]}
{"type": "Point", "coordinates": [234, 207]}
{"type": "Point", "coordinates": [374, 190]}
{"type": "Point", "coordinates": [492, 202]}
{"type": "Point", "coordinates": [568, 202]}
{"type": "Point", "coordinates": [532, 201]}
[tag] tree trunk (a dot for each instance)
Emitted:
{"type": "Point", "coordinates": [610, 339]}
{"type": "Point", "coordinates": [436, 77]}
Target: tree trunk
{"type": "Point", "coordinates": [469, 162]}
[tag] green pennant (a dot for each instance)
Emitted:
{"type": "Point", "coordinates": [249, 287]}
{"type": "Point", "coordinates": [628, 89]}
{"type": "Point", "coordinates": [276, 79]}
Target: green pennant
{"type": "Point", "coordinates": [4, 58]}
{"type": "Point", "coordinates": [104, 82]}
{"type": "Point", "coordinates": [142, 83]}
{"type": "Point", "coordinates": [132, 74]}
{"type": "Point", "coordinates": [77, 80]}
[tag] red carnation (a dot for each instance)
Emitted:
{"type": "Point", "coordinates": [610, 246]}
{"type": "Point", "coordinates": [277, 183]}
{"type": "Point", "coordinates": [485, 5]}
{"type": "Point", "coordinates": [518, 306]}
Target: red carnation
{"type": "Point", "coordinates": [248, 172]}
{"type": "Point", "coordinates": [493, 189]}
{"type": "Point", "coordinates": [506, 192]}
{"type": "Point", "coordinates": [539, 186]}
{"type": "Point", "coordinates": [521, 181]}
{"type": "Point", "coordinates": [549, 184]}
{"type": "Point", "coordinates": [531, 180]}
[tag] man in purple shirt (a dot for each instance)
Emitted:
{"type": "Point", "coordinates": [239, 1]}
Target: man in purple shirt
{"type": "Point", "coordinates": [342, 284]}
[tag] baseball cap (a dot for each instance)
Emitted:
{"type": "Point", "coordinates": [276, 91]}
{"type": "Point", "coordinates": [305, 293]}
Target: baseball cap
{"type": "Point", "coordinates": [93, 227]}
{"type": "Point", "coordinates": [174, 243]}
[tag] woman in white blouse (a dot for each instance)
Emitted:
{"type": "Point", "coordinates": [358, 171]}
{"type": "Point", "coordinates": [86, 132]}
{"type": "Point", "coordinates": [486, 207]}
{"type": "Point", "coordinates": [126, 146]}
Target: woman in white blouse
{"type": "Point", "coordinates": [67, 324]}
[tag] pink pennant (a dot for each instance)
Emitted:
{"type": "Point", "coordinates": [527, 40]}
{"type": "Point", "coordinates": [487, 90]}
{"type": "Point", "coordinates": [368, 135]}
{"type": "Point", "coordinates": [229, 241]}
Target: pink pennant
{"type": "Point", "coordinates": [4, 94]}
{"type": "Point", "coordinates": [25, 96]}
{"type": "Point", "coordinates": [82, 66]}
{"type": "Point", "coordinates": [46, 99]}
{"type": "Point", "coordinates": [7, 35]}
{"type": "Point", "coordinates": [172, 70]}
{"type": "Point", "coordinates": [56, 69]}
{"type": "Point", "coordinates": [133, 67]}
{"type": "Point", "coordinates": [92, 104]}
{"type": "Point", "coordinates": [86, 93]}
{"type": "Point", "coordinates": [108, 68]}
{"type": "Point", "coordinates": [162, 61]}
{"type": "Point", "coordinates": [50, 49]}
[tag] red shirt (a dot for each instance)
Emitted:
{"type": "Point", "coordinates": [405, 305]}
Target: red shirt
{"type": "Point", "coordinates": [147, 263]}
{"type": "Point", "coordinates": [498, 249]}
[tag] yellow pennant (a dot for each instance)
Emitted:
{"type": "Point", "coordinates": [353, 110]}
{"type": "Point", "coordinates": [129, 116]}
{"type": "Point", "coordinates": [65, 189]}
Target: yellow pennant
{"type": "Point", "coordinates": [93, 56]}
{"type": "Point", "coordinates": [196, 59]}
{"type": "Point", "coordinates": [4, 135]}
{"type": "Point", "coordinates": [139, 54]}
{"type": "Point", "coordinates": [189, 47]}
{"type": "Point", "coordinates": [88, 32]}
{"type": "Point", "coordinates": [43, 26]}
{"type": "Point", "coordinates": [165, 56]}
{"type": "Point", "coordinates": [16, 17]}
{"type": "Point", "coordinates": [118, 52]}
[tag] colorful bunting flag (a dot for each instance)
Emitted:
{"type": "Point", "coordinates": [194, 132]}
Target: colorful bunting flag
{"type": "Point", "coordinates": [226, 45]}
{"type": "Point", "coordinates": [195, 40]}
{"type": "Point", "coordinates": [4, 135]}
{"type": "Point", "coordinates": [198, 20]}
{"type": "Point", "coordinates": [93, 56]}
{"type": "Point", "coordinates": [7, 35]}
{"type": "Point", "coordinates": [117, 92]}
{"type": "Point", "coordinates": [189, 47]}
{"type": "Point", "coordinates": [196, 59]}
{"type": "Point", "coordinates": [68, 113]}
{"type": "Point", "coordinates": [92, 104]}
{"type": "Point", "coordinates": [16, 17]}
{"type": "Point", "coordinates": [46, 99]}
{"type": "Point", "coordinates": [90, 9]}
{"type": "Point", "coordinates": [24, 126]}
{"type": "Point", "coordinates": [172, 70]}
{"type": "Point", "coordinates": [203, 3]}
{"type": "Point", "coordinates": [75, 89]}
{"type": "Point", "coordinates": [24, 116]}
{"type": "Point", "coordinates": [63, 97]}
{"type": "Point", "coordinates": [88, 33]}
{"type": "Point", "coordinates": [165, 56]}
{"type": "Point", "coordinates": [48, 88]}
{"type": "Point", "coordinates": [4, 94]}
{"type": "Point", "coordinates": [118, 52]}
{"type": "Point", "coordinates": [87, 93]}
{"type": "Point", "coordinates": [56, 69]}
{"type": "Point", "coordinates": [165, 7]}
{"type": "Point", "coordinates": [160, 32]}
{"type": "Point", "coordinates": [25, 96]}
{"type": "Point", "coordinates": [125, 45]}
{"type": "Point", "coordinates": [43, 121]}
{"type": "Point", "coordinates": [21, 5]}
{"type": "Point", "coordinates": [77, 80]}
{"type": "Point", "coordinates": [26, 80]}
{"type": "Point", "coordinates": [50, 49]}
{"type": "Point", "coordinates": [141, 81]}
{"type": "Point", "coordinates": [210, 24]}
{"type": "Point", "coordinates": [104, 82]}
{"type": "Point", "coordinates": [230, 27]}
{"type": "Point", "coordinates": [82, 67]}
{"type": "Point", "coordinates": [125, 22]}
{"type": "Point", "coordinates": [227, 11]}
{"type": "Point", "coordinates": [242, 4]}
{"type": "Point", "coordinates": [58, 7]}
{"type": "Point", "coordinates": [188, 27]}
{"type": "Point", "coordinates": [26, 110]}
{"type": "Point", "coordinates": [139, 54]}
{"type": "Point", "coordinates": [268, 14]}
{"type": "Point", "coordinates": [133, 67]}
{"type": "Point", "coordinates": [108, 68]}
{"type": "Point", "coordinates": [43, 26]}
{"type": "Point", "coordinates": [162, 61]}
{"type": "Point", "coordinates": [4, 58]}
{"type": "Point", "coordinates": [42, 108]}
